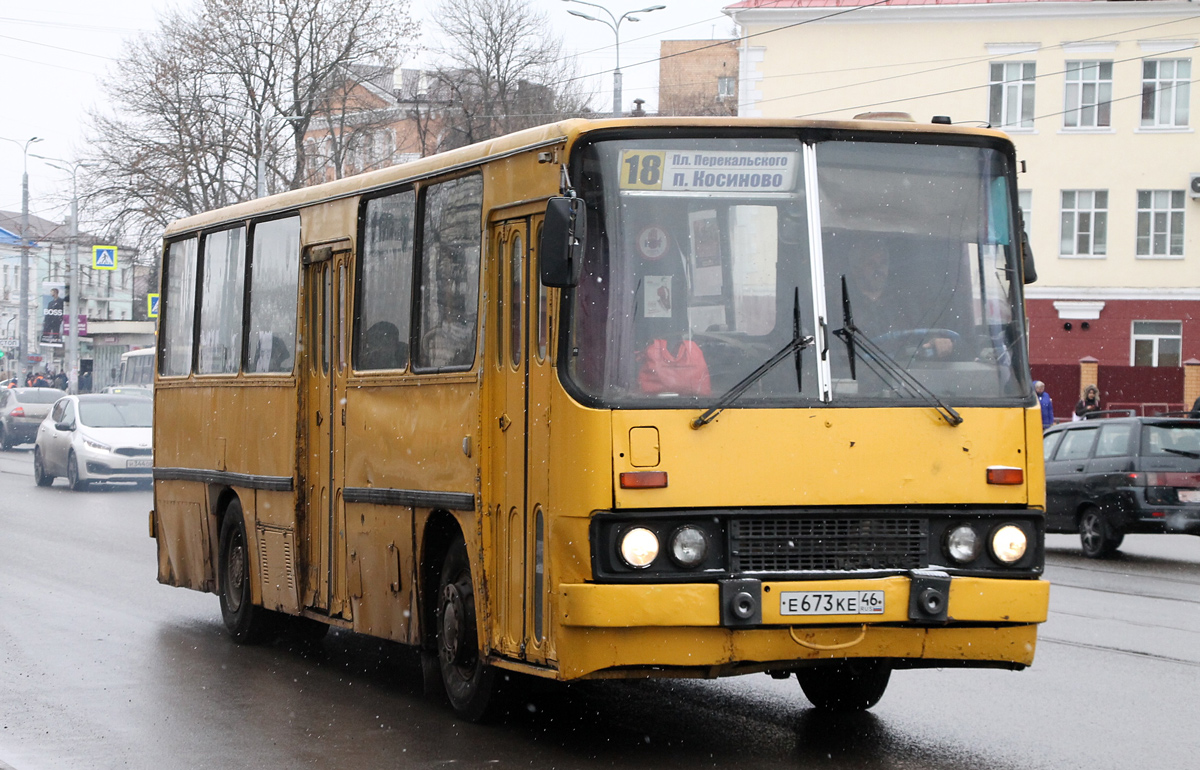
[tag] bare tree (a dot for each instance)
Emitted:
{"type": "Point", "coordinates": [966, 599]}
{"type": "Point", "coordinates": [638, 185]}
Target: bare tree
{"type": "Point", "coordinates": [222, 96]}
{"type": "Point", "coordinates": [500, 71]}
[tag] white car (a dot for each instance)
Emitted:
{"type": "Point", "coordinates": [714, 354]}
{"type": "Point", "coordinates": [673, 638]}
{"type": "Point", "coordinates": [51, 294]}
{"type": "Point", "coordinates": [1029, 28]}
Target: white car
{"type": "Point", "coordinates": [98, 437]}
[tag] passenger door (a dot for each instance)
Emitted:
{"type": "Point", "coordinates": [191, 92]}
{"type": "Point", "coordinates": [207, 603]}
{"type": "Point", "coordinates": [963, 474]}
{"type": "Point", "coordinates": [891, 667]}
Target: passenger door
{"type": "Point", "coordinates": [520, 408]}
{"type": "Point", "coordinates": [326, 292]}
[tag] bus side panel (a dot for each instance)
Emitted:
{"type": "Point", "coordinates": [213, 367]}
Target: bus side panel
{"type": "Point", "coordinates": [183, 536]}
{"type": "Point", "coordinates": [408, 437]}
{"type": "Point", "coordinates": [382, 570]}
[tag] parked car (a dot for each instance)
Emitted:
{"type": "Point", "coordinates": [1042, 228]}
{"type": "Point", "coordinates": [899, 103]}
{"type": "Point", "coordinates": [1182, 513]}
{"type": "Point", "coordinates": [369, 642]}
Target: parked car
{"type": "Point", "coordinates": [143, 391]}
{"type": "Point", "coordinates": [100, 437]}
{"type": "Point", "coordinates": [22, 411]}
{"type": "Point", "coordinates": [1112, 476]}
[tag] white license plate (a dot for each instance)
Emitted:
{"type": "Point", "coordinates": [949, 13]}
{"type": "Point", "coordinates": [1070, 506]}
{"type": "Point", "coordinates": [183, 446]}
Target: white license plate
{"type": "Point", "coordinates": [1189, 495]}
{"type": "Point", "coordinates": [139, 463]}
{"type": "Point", "coordinates": [831, 603]}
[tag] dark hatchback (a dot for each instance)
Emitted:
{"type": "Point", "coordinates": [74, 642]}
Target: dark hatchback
{"type": "Point", "coordinates": [1111, 476]}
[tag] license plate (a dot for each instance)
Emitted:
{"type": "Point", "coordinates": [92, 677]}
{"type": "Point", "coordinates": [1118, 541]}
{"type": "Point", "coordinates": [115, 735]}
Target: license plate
{"type": "Point", "coordinates": [831, 603]}
{"type": "Point", "coordinates": [1189, 495]}
{"type": "Point", "coordinates": [139, 463]}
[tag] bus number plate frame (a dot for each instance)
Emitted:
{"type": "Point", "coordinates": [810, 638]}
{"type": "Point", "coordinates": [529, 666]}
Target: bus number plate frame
{"type": "Point", "coordinates": [831, 603]}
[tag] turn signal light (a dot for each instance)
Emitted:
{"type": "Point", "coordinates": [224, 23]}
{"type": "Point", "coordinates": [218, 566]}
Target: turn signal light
{"type": "Point", "coordinates": [1003, 474]}
{"type": "Point", "coordinates": [644, 480]}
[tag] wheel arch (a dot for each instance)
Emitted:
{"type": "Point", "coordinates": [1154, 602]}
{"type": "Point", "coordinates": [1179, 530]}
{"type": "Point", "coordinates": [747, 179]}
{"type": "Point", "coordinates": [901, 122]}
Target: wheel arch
{"type": "Point", "coordinates": [219, 498]}
{"type": "Point", "coordinates": [439, 532]}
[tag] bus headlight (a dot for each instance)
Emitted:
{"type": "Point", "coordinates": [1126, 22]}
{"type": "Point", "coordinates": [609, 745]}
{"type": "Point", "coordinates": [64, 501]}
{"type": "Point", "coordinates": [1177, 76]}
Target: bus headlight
{"type": "Point", "coordinates": [689, 546]}
{"type": "Point", "coordinates": [963, 544]}
{"type": "Point", "coordinates": [1009, 544]}
{"type": "Point", "coordinates": [639, 547]}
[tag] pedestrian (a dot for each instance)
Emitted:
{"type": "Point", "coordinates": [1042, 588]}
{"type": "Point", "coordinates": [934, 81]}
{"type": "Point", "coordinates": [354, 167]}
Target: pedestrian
{"type": "Point", "coordinates": [1088, 404]}
{"type": "Point", "coordinates": [1195, 414]}
{"type": "Point", "coordinates": [1046, 404]}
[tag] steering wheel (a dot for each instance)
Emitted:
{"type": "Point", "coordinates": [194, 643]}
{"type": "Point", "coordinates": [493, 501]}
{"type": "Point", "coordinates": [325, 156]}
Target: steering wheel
{"type": "Point", "coordinates": [917, 340]}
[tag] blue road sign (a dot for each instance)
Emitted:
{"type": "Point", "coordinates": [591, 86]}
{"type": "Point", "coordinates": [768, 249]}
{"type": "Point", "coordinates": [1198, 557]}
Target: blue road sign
{"type": "Point", "coordinates": [104, 257]}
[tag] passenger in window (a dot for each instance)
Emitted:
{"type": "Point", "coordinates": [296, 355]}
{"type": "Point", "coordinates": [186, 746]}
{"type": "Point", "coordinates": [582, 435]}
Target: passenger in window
{"type": "Point", "coordinates": [381, 347]}
{"type": "Point", "coordinates": [1090, 402]}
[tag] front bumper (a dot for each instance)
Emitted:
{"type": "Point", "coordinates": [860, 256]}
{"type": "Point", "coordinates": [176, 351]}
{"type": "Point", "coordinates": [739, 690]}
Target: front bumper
{"type": "Point", "coordinates": [624, 629]}
{"type": "Point", "coordinates": [96, 465]}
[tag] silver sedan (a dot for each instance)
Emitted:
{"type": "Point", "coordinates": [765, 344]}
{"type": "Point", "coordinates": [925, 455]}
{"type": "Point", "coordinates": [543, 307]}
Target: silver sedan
{"type": "Point", "coordinates": [98, 437]}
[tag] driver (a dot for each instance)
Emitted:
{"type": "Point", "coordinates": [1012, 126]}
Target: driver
{"type": "Point", "coordinates": [879, 305]}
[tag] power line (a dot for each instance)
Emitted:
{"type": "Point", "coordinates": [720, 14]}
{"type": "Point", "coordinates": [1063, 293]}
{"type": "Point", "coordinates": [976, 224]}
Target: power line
{"type": "Point", "coordinates": [958, 63]}
{"type": "Point", "coordinates": [958, 90]}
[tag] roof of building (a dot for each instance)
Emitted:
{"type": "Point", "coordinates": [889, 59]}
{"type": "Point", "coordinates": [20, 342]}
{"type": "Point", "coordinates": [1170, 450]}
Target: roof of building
{"type": "Point", "coordinates": [40, 229]}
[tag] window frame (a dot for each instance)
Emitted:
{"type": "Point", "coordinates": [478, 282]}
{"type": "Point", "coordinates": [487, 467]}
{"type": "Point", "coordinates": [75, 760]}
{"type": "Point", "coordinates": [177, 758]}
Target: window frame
{"type": "Point", "coordinates": [1006, 92]}
{"type": "Point", "coordinates": [1077, 105]}
{"type": "Point", "coordinates": [1155, 338]}
{"type": "Point", "coordinates": [1157, 89]}
{"type": "Point", "coordinates": [1147, 218]}
{"type": "Point", "coordinates": [1099, 224]}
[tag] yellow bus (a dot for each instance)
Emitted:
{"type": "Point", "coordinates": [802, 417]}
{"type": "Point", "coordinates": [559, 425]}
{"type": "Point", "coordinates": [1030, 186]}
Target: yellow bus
{"type": "Point", "coordinates": [618, 398]}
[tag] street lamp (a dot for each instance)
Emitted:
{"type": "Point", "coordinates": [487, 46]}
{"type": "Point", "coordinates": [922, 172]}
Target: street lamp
{"type": "Point", "coordinates": [23, 327]}
{"type": "Point", "coordinates": [615, 26]}
{"type": "Point", "coordinates": [260, 161]}
{"type": "Point", "coordinates": [72, 320]}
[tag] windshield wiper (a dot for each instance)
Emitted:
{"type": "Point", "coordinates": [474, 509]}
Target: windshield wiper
{"type": "Point", "coordinates": [794, 346]}
{"type": "Point", "coordinates": [884, 365]}
{"type": "Point", "coordinates": [1183, 452]}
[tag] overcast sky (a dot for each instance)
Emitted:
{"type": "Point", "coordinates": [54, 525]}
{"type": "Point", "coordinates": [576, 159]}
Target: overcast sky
{"type": "Point", "coordinates": [54, 54]}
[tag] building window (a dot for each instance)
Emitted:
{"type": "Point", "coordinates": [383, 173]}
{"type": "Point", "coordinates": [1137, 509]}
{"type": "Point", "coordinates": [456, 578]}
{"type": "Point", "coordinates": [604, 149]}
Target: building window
{"type": "Point", "coordinates": [1089, 94]}
{"type": "Point", "coordinates": [1084, 231]}
{"type": "Point", "coordinates": [726, 87]}
{"type": "Point", "coordinates": [1160, 223]}
{"type": "Point", "coordinates": [1157, 343]}
{"type": "Point", "coordinates": [1025, 202]}
{"type": "Point", "coordinates": [1012, 94]}
{"type": "Point", "coordinates": [1165, 92]}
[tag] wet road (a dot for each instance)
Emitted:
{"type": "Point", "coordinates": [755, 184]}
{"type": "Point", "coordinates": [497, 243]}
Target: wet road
{"type": "Point", "coordinates": [101, 667]}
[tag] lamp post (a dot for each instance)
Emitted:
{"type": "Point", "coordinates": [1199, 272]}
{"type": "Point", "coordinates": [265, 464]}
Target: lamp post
{"type": "Point", "coordinates": [71, 322]}
{"type": "Point", "coordinates": [614, 23]}
{"type": "Point", "coordinates": [23, 327]}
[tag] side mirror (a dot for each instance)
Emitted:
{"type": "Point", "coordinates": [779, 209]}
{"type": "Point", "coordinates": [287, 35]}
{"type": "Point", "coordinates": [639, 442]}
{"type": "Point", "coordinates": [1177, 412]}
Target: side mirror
{"type": "Point", "coordinates": [67, 426]}
{"type": "Point", "coordinates": [1028, 268]}
{"type": "Point", "coordinates": [561, 249]}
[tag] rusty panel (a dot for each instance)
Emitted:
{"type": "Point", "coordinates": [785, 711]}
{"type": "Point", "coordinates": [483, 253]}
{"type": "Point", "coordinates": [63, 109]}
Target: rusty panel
{"type": "Point", "coordinates": [381, 571]}
{"type": "Point", "coordinates": [277, 569]}
{"type": "Point", "coordinates": [184, 553]}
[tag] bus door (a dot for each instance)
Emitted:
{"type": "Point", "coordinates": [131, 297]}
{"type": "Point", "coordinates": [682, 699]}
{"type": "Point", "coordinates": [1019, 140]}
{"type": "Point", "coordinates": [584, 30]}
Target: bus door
{"type": "Point", "coordinates": [512, 494]}
{"type": "Point", "coordinates": [326, 291]}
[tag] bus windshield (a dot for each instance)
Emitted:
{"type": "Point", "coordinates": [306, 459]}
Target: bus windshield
{"type": "Point", "coordinates": [705, 257]}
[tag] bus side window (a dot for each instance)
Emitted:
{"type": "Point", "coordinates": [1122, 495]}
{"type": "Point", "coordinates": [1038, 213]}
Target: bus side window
{"type": "Point", "coordinates": [179, 307]}
{"type": "Point", "coordinates": [274, 282]}
{"type": "Point", "coordinates": [385, 273]}
{"type": "Point", "coordinates": [449, 292]}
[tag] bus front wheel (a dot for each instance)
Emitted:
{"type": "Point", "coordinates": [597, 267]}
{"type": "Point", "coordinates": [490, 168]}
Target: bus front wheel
{"type": "Point", "coordinates": [845, 687]}
{"type": "Point", "coordinates": [247, 622]}
{"type": "Point", "coordinates": [469, 682]}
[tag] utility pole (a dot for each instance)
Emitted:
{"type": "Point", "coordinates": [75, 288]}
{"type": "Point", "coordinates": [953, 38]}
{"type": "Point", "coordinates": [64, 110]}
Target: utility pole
{"type": "Point", "coordinates": [70, 324]}
{"type": "Point", "coordinates": [23, 326]}
{"type": "Point", "coordinates": [615, 26]}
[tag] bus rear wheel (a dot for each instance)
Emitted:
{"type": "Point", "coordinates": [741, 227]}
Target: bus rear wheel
{"type": "Point", "coordinates": [845, 687]}
{"type": "Point", "coordinates": [247, 622]}
{"type": "Point", "coordinates": [469, 682]}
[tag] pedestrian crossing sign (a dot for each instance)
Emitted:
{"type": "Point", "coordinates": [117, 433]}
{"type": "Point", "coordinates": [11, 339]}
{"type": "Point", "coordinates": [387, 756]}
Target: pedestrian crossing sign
{"type": "Point", "coordinates": [152, 305]}
{"type": "Point", "coordinates": [104, 257]}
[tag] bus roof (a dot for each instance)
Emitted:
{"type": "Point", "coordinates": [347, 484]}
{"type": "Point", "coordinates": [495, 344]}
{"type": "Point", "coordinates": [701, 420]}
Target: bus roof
{"type": "Point", "coordinates": [521, 141]}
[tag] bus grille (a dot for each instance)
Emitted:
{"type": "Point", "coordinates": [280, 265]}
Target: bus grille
{"type": "Point", "coordinates": [827, 545]}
